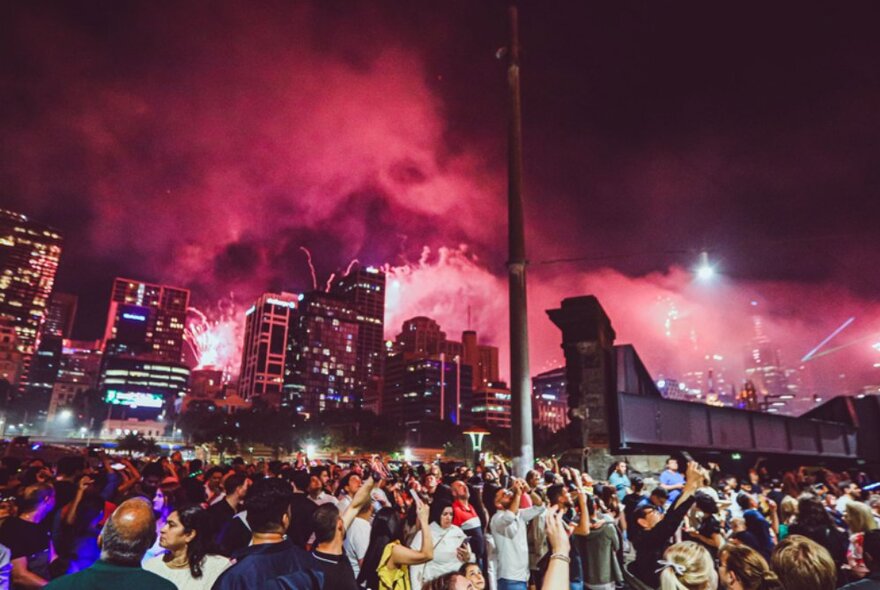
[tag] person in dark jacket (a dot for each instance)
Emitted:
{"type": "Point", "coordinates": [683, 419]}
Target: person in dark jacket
{"type": "Point", "coordinates": [814, 522]}
{"type": "Point", "coordinates": [652, 531]}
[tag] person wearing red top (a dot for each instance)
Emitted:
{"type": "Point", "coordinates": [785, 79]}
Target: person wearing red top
{"type": "Point", "coordinates": [465, 516]}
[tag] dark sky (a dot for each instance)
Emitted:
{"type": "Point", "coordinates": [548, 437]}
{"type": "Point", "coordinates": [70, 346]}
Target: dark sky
{"type": "Point", "coordinates": [203, 143]}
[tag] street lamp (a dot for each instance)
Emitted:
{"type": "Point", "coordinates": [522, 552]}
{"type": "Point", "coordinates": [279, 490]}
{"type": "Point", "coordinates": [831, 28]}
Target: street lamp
{"type": "Point", "coordinates": [476, 437]}
{"type": "Point", "coordinates": [705, 271]}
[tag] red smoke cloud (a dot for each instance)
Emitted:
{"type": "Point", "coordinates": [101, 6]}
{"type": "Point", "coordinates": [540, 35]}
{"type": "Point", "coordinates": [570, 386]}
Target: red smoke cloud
{"type": "Point", "coordinates": [203, 154]}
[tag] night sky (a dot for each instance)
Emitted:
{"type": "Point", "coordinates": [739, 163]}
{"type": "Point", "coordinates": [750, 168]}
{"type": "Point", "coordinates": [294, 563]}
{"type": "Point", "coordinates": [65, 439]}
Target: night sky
{"type": "Point", "coordinates": [203, 144]}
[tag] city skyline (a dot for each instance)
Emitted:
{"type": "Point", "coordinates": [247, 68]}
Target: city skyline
{"type": "Point", "coordinates": [377, 146]}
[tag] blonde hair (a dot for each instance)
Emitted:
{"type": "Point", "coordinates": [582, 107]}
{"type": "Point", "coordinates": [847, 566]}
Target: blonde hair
{"type": "Point", "coordinates": [690, 568]}
{"type": "Point", "coordinates": [803, 564]}
{"type": "Point", "coordinates": [788, 509]}
{"type": "Point", "coordinates": [859, 518]}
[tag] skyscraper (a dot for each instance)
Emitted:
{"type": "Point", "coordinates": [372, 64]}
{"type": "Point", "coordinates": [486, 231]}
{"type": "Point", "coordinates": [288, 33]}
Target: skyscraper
{"type": "Point", "coordinates": [263, 356]}
{"type": "Point", "coordinates": [10, 355]}
{"type": "Point", "coordinates": [146, 319]}
{"type": "Point", "coordinates": [60, 315]}
{"type": "Point", "coordinates": [79, 371]}
{"type": "Point", "coordinates": [550, 400]}
{"type": "Point", "coordinates": [364, 289]}
{"type": "Point", "coordinates": [29, 255]}
{"type": "Point", "coordinates": [322, 370]}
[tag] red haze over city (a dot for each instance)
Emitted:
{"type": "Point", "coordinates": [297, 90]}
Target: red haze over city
{"type": "Point", "coordinates": [205, 149]}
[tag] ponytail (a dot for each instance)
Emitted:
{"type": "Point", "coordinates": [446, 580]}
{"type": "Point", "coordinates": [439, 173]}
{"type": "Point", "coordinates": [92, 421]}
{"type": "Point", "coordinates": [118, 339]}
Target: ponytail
{"type": "Point", "coordinates": [769, 581]}
{"type": "Point", "coordinates": [687, 566]}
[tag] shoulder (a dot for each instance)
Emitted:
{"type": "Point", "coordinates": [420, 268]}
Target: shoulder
{"type": "Point", "coordinates": [154, 564]}
{"type": "Point", "coordinates": [215, 563]}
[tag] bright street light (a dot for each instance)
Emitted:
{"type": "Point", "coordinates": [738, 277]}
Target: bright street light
{"type": "Point", "coordinates": [705, 271]}
{"type": "Point", "coordinates": [65, 415]}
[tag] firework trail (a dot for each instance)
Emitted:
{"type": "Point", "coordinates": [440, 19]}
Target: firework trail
{"type": "Point", "coordinates": [329, 282]}
{"type": "Point", "coordinates": [828, 339]}
{"type": "Point", "coordinates": [311, 267]}
{"type": "Point", "coordinates": [350, 266]}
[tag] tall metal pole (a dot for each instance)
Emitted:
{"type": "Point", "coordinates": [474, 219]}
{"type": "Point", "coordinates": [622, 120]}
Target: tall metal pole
{"type": "Point", "coordinates": [520, 380]}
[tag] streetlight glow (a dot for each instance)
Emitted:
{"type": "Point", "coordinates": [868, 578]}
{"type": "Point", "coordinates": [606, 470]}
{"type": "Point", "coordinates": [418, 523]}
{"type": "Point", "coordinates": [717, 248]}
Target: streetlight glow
{"type": "Point", "coordinates": [705, 271]}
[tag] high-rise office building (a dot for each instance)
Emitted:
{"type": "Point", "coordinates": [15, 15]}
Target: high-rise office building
{"type": "Point", "coordinates": [322, 355]}
{"type": "Point", "coordinates": [29, 255]}
{"type": "Point", "coordinates": [146, 320]}
{"type": "Point", "coordinates": [426, 377]}
{"type": "Point", "coordinates": [140, 393]}
{"type": "Point", "coordinates": [79, 371]}
{"type": "Point", "coordinates": [420, 335]}
{"type": "Point", "coordinates": [482, 358]}
{"type": "Point", "coordinates": [60, 315]}
{"type": "Point", "coordinates": [550, 400]}
{"type": "Point", "coordinates": [10, 355]}
{"type": "Point", "coordinates": [263, 356]}
{"type": "Point", "coordinates": [364, 289]}
{"type": "Point", "coordinates": [490, 407]}
{"type": "Point", "coordinates": [421, 388]}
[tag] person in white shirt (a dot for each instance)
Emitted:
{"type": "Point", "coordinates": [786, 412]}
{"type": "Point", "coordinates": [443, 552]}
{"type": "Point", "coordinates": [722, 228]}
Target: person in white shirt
{"type": "Point", "coordinates": [508, 528]}
{"type": "Point", "coordinates": [186, 564]}
{"type": "Point", "coordinates": [317, 493]}
{"type": "Point", "coordinates": [451, 547]}
{"type": "Point", "coordinates": [357, 537]}
{"type": "Point", "coordinates": [849, 492]}
{"type": "Point", "coordinates": [349, 485]}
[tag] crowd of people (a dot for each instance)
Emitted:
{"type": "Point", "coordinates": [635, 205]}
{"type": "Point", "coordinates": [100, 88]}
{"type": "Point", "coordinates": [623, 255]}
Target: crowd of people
{"type": "Point", "coordinates": [101, 522]}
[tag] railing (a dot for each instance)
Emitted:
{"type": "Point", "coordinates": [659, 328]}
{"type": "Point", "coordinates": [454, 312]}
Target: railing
{"type": "Point", "coordinates": [647, 422]}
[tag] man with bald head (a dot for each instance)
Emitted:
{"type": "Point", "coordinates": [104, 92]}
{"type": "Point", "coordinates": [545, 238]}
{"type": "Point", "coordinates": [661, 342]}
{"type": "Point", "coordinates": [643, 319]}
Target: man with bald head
{"type": "Point", "coordinates": [126, 536]}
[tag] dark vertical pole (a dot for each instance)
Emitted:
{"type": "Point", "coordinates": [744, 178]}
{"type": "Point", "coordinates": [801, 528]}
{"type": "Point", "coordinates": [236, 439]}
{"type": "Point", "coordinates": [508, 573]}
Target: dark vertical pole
{"type": "Point", "coordinates": [520, 380]}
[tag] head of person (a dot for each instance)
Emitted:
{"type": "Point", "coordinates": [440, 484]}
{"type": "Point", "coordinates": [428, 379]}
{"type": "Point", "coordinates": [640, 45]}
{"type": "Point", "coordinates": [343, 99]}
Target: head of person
{"type": "Point", "coordinates": [637, 484]}
{"type": "Point", "coordinates": [621, 467]}
{"type": "Point", "coordinates": [187, 528]}
{"type": "Point", "coordinates": [558, 495]}
{"type": "Point", "coordinates": [788, 509]}
{"type": "Point", "coordinates": [214, 479]}
{"type": "Point", "coordinates": [742, 568]}
{"type": "Point", "coordinates": [803, 564]}
{"type": "Point", "coordinates": [300, 480]}
{"type": "Point", "coordinates": [533, 478]}
{"type": "Point", "coordinates": [451, 581]}
{"type": "Point", "coordinates": [473, 573]}
{"type": "Point", "coordinates": [705, 503]}
{"type": "Point", "coordinates": [322, 473]}
{"type": "Point", "coordinates": [672, 464]}
{"type": "Point", "coordinates": [658, 496]}
{"type": "Point", "coordinates": [688, 566]}
{"type": "Point", "coordinates": [268, 506]}
{"type": "Point", "coordinates": [746, 501]}
{"type": "Point", "coordinates": [327, 524]}
{"type": "Point", "coordinates": [503, 499]}
{"type": "Point", "coordinates": [431, 482]}
{"type": "Point", "coordinates": [811, 512]}
{"type": "Point", "coordinates": [859, 518]}
{"type": "Point", "coordinates": [460, 491]}
{"type": "Point", "coordinates": [851, 489]}
{"type": "Point", "coordinates": [128, 533]}
{"type": "Point", "coordinates": [236, 485]}
{"type": "Point", "coordinates": [441, 513]}
{"type": "Point", "coordinates": [351, 483]}
{"type": "Point", "coordinates": [38, 498]}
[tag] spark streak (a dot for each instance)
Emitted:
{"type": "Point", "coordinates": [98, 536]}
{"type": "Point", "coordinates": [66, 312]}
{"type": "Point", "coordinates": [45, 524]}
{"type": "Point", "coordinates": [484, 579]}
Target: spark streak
{"type": "Point", "coordinates": [311, 267]}
{"type": "Point", "coordinates": [828, 339]}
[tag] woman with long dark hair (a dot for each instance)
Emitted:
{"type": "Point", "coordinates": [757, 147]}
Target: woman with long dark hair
{"type": "Point", "coordinates": [386, 563]}
{"type": "Point", "coordinates": [814, 522]}
{"type": "Point", "coordinates": [186, 562]}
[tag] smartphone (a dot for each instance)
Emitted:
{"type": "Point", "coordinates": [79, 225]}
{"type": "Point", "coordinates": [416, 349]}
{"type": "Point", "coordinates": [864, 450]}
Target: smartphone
{"type": "Point", "coordinates": [117, 466]}
{"type": "Point", "coordinates": [416, 499]}
{"type": "Point", "coordinates": [687, 456]}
